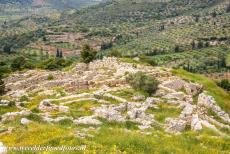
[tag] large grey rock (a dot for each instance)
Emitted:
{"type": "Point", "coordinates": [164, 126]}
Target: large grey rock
{"type": "Point", "coordinates": [176, 95]}
{"type": "Point", "coordinates": [3, 149]}
{"type": "Point", "coordinates": [175, 125]}
{"type": "Point", "coordinates": [109, 114]}
{"type": "Point", "coordinates": [196, 123]}
{"type": "Point", "coordinates": [25, 121]}
{"type": "Point", "coordinates": [138, 98]}
{"type": "Point", "coordinates": [88, 120]}
{"type": "Point", "coordinates": [174, 84]}
{"type": "Point", "coordinates": [193, 88]}
{"type": "Point", "coordinates": [4, 102]}
{"type": "Point", "coordinates": [187, 111]}
{"type": "Point", "coordinates": [152, 100]}
{"type": "Point", "coordinates": [46, 106]}
{"type": "Point", "coordinates": [13, 115]}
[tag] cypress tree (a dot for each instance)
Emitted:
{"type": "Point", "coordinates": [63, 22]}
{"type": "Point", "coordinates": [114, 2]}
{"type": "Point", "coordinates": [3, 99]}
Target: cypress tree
{"type": "Point", "coordinates": [60, 54]}
{"type": "Point", "coordinates": [57, 53]}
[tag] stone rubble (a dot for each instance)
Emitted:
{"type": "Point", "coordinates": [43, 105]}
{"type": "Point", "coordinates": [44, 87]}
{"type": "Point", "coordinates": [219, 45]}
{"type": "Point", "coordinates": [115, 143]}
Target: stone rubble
{"type": "Point", "coordinates": [88, 120]}
{"type": "Point", "coordinates": [4, 102]}
{"type": "Point", "coordinates": [12, 115]}
{"type": "Point", "coordinates": [209, 102]}
{"type": "Point", "coordinates": [101, 78]}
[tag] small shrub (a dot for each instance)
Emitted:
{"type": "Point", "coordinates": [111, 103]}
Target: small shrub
{"type": "Point", "coordinates": [142, 82]}
{"type": "Point", "coordinates": [114, 53]}
{"type": "Point", "coordinates": [2, 87]}
{"type": "Point", "coordinates": [11, 104]}
{"type": "Point", "coordinates": [55, 64]}
{"type": "Point", "coordinates": [18, 63]}
{"type": "Point", "coordinates": [34, 117]}
{"type": "Point", "coordinates": [24, 99]}
{"type": "Point", "coordinates": [87, 54]}
{"type": "Point", "coordinates": [225, 84]}
{"type": "Point", "coordinates": [50, 77]}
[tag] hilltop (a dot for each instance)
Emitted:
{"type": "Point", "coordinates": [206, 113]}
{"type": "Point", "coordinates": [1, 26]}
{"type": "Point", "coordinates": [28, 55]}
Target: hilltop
{"type": "Point", "coordinates": [53, 3]}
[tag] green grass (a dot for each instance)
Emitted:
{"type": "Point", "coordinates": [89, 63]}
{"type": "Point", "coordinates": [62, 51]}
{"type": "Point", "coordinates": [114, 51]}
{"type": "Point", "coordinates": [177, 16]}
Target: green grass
{"type": "Point", "coordinates": [128, 94]}
{"type": "Point", "coordinates": [159, 142]}
{"type": "Point", "coordinates": [34, 134]}
{"type": "Point", "coordinates": [221, 96]}
{"type": "Point", "coordinates": [164, 111]}
{"type": "Point", "coordinates": [6, 109]}
{"type": "Point", "coordinates": [115, 138]}
{"type": "Point", "coordinates": [82, 108]}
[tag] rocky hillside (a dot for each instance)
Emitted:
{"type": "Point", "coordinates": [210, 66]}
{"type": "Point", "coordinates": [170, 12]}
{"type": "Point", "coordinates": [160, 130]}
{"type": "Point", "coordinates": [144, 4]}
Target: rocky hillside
{"type": "Point", "coordinates": [94, 105]}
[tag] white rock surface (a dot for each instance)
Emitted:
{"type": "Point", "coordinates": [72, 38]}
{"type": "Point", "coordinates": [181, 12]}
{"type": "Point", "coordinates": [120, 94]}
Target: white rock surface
{"type": "Point", "coordinates": [87, 120]}
{"type": "Point", "coordinates": [3, 149]}
{"type": "Point", "coordinates": [25, 121]}
{"type": "Point", "coordinates": [196, 123]}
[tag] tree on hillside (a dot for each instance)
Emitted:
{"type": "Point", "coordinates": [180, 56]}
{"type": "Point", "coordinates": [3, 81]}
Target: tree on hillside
{"type": "Point", "coordinates": [87, 54]}
{"type": "Point", "coordinates": [142, 82]}
{"type": "Point", "coordinates": [57, 53]}
{"type": "Point", "coordinates": [200, 45]}
{"type": "Point", "coordinates": [228, 8]}
{"type": "Point", "coordinates": [221, 61]}
{"type": "Point", "coordinates": [18, 63]}
{"type": "Point", "coordinates": [2, 86]}
{"type": "Point", "coordinates": [207, 44]}
{"type": "Point", "coordinates": [162, 27]}
{"type": "Point", "coordinates": [177, 48]}
{"type": "Point", "coordinates": [60, 54]}
{"type": "Point", "coordinates": [214, 14]}
{"type": "Point", "coordinates": [225, 84]}
{"type": "Point", "coordinates": [196, 19]}
{"type": "Point", "coordinates": [47, 55]}
{"type": "Point", "coordinates": [7, 49]}
{"type": "Point", "coordinates": [193, 45]}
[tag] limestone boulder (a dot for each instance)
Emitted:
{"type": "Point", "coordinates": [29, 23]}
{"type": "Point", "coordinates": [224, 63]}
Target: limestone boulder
{"type": "Point", "coordinates": [25, 121]}
{"type": "Point", "coordinates": [3, 149]}
{"type": "Point", "coordinates": [87, 120]}
{"type": "Point", "coordinates": [196, 123]}
{"type": "Point", "coordinates": [175, 125]}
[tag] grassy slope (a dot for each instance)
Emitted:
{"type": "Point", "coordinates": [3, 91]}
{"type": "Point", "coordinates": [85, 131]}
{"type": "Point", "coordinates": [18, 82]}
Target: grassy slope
{"type": "Point", "coordinates": [113, 138]}
{"type": "Point", "coordinates": [222, 97]}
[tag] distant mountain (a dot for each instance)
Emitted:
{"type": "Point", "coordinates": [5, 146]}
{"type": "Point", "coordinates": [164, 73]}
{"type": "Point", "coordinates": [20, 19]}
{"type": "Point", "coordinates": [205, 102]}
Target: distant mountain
{"type": "Point", "coordinates": [58, 4]}
{"type": "Point", "coordinates": [19, 2]}
{"type": "Point", "coordinates": [141, 10]}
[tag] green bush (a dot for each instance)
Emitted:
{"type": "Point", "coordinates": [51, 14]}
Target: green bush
{"type": "Point", "coordinates": [225, 84]}
{"type": "Point", "coordinates": [87, 54]}
{"type": "Point", "coordinates": [2, 87]}
{"type": "Point", "coordinates": [55, 64]}
{"type": "Point", "coordinates": [24, 99]}
{"type": "Point", "coordinates": [50, 77]}
{"type": "Point", "coordinates": [142, 82]}
{"type": "Point", "coordinates": [18, 63]}
{"type": "Point", "coordinates": [114, 53]}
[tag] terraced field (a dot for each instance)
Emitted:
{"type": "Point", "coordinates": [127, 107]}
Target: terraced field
{"type": "Point", "coordinates": [207, 59]}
